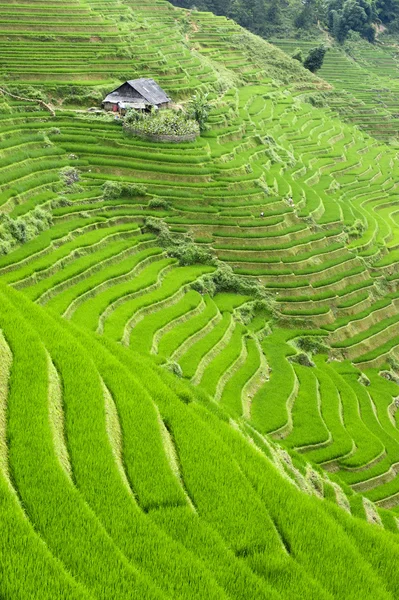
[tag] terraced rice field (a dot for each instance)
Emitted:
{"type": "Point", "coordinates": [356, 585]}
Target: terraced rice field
{"type": "Point", "coordinates": [365, 84]}
{"type": "Point", "coordinates": [270, 463]}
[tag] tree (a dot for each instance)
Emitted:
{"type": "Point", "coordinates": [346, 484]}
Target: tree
{"type": "Point", "coordinates": [199, 109]}
{"type": "Point", "coordinates": [315, 58]}
{"type": "Point", "coordinates": [338, 27]}
{"type": "Point", "coordinates": [273, 14]}
{"type": "Point", "coordinates": [351, 15]}
{"type": "Point", "coordinates": [387, 10]}
{"type": "Point", "coordinates": [354, 15]}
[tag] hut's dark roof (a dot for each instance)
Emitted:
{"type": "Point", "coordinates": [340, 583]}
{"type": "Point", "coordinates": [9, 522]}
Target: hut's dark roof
{"type": "Point", "coordinates": [150, 90]}
{"type": "Point", "coordinates": [147, 88]}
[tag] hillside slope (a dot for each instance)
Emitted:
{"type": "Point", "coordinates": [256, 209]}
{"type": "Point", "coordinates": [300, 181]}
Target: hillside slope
{"type": "Point", "coordinates": [259, 263]}
{"type": "Point", "coordinates": [119, 481]}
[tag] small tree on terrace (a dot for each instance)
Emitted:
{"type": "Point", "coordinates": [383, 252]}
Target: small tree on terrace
{"type": "Point", "coordinates": [315, 58]}
{"type": "Point", "coordinates": [199, 109]}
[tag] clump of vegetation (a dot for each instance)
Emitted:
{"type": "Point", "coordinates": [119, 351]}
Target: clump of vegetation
{"type": "Point", "coordinates": [391, 376]}
{"type": "Point", "coordinates": [356, 230]}
{"type": "Point", "coordinates": [312, 344]}
{"type": "Point", "coordinates": [61, 201]}
{"type": "Point", "coordinates": [393, 363]}
{"type": "Point", "coordinates": [301, 358]}
{"type": "Point", "coordinates": [158, 204]}
{"type": "Point", "coordinates": [174, 368]}
{"type": "Point", "coordinates": [163, 122]}
{"type": "Point", "coordinates": [161, 230]}
{"type": "Point", "coordinates": [70, 176]}
{"type": "Point", "coordinates": [198, 109]}
{"type": "Point", "coordinates": [23, 229]}
{"type": "Point", "coordinates": [314, 60]}
{"type": "Point", "coordinates": [364, 380]}
{"type": "Point", "coordinates": [191, 254]}
{"type": "Point", "coordinates": [298, 55]}
{"type": "Point", "coordinates": [247, 312]}
{"type": "Point", "coordinates": [180, 246]}
{"type": "Point", "coordinates": [381, 286]}
{"type": "Point", "coordinates": [115, 189]}
{"type": "Point", "coordinates": [225, 280]}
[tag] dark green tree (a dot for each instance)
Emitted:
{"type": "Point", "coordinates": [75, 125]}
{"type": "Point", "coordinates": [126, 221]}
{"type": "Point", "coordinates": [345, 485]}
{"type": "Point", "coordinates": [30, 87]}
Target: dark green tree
{"type": "Point", "coordinates": [338, 26]}
{"type": "Point", "coordinates": [387, 10]}
{"type": "Point", "coordinates": [315, 58]}
{"type": "Point", "coordinates": [273, 13]}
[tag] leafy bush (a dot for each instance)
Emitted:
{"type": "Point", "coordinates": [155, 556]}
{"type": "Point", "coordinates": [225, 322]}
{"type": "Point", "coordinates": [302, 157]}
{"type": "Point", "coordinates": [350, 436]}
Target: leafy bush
{"type": "Point", "coordinates": [355, 230]}
{"type": "Point", "coordinates": [199, 109]}
{"type": "Point", "coordinates": [173, 367]}
{"type": "Point", "coordinates": [191, 254]}
{"type": "Point", "coordinates": [5, 247]}
{"type": "Point", "coordinates": [23, 229]}
{"type": "Point", "coordinates": [225, 280]}
{"type": "Point", "coordinates": [314, 60]}
{"type": "Point", "coordinates": [60, 202]}
{"type": "Point", "coordinates": [302, 359]}
{"type": "Point", "coordinates": [312, 344]}
{"type": "Point", "coordinates": [115, 189]}
{"type": "Point", "coordinates": [158, 203]}
{"type": "Point", "coordinates": [164, 122]}
{"type": "Point", "coordinates": [247, 312]}
{"type": "Point", "coordinates": [70, 176]}
{"type": "Point", "coordinates": [298, 55]}
{"type": "Point", "coordinates": [160, 229]}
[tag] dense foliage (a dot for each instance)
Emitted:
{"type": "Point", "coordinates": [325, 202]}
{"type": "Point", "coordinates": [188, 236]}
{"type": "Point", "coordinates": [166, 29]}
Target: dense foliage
{"type": "Point", "coordinates": [314, 60]}
{"type": "Point", "coordinates": [14, 231]}
{"type": "Point", "coordinates": [115, 189]}
{"type": "Point", "coordinates": [199, 109]}
{"type": "Point", "coordinates": [164, 122]}
{"type": "Point", "coordinates": [273, 17]}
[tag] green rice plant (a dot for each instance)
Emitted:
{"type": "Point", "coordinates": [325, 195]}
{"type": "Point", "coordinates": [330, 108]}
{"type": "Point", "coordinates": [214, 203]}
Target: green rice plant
{"type": "Point", "coordinates": [115, 325]}
{"type": "Point", "coordinates": [223, 361]}
{"type": "Point", "coordinates": [309, 428]}
{"type": "Point", "coordinates": [298, 533]}
{"type": "Point", "coordinates": [79, 268]}
{"type": "Point", "coordinates": [172, 340]}
{"type": "Point", "coordinates": [97, 470]}
{"type": "Point", "coordinates": [143, 334]}
{"type": "Point", "coordinates": [232, 395]}
{"type": "Point", "coordinates": [54, 504]}
{"type": "Point", "coordinates": [89, 313]}
{"type": "Point", "coordinates": [192, 358]}
{"type": "Point", "coordinates": [368, 446]}
{"type": "Point", "coordinates": [270, 405]}
{"type": "Point", "coordinates": [66, 301]}
{"type": "Point", "coordinates": [331, 408]}
{"type": "Point", "coordinates": [88, 241]}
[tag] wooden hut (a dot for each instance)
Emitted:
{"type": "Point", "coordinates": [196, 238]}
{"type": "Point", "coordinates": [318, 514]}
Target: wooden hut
{"type": "Point", "coordinates": [140, 94]}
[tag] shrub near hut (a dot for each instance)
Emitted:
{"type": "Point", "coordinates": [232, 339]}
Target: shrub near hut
{"type": "Point", "coordinates": [163, 126]}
